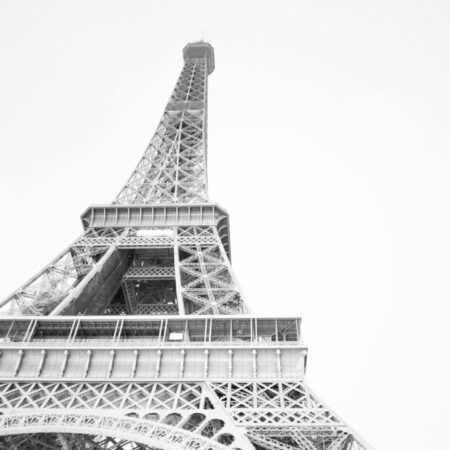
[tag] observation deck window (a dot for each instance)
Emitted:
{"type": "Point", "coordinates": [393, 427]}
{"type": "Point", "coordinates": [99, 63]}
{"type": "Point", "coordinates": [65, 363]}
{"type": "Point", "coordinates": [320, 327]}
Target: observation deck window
{"type": "Point", "coordinates": [141, 330]}
{"type": "Point", "coordinates": [95, 330]}
{"type": "Point", "coordinates": [197, 330]}
{"type": "Point", "coordinates": [45, 331]}
{"type": "Point", "coordinates": [220, 330]}
{"type": "Point", "coordinates": [242, 329]}
{"type": "Point", "coordinates": [14, 330]}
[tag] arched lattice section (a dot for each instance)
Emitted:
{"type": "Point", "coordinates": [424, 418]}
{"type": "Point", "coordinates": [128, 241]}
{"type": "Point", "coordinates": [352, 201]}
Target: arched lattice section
{"type": "Point", "coordinates": [212, 428]}
{"type": "Point", "coordinates": [67, 441]}
{"type": "Point", "coordinates": [141, 431]}
{"type": "Point", "coordinates": [225, 439]}
{"type": "Point", "coordinates": [194, 421]}
{"type": "Point", "coordinates": [153, 417]}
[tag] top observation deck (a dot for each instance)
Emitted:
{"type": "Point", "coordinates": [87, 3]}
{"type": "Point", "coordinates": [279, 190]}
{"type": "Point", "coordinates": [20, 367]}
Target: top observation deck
{"type": "Point", "coordinates": [197, 50]}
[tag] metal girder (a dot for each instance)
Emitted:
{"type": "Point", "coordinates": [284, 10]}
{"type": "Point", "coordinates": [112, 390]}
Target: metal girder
{"type": "Point", "coordinates": [111, 217]}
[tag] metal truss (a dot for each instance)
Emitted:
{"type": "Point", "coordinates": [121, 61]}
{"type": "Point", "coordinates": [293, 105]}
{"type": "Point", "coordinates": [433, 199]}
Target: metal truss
{"type": "Point", "coordinates": [319, 439]}
{"type": "Point", "coordinates": [138, 430]}
{"type": "Point", "coordinates": [283, 415]}
{"type": "Point", "coordinates": [173, 166]}
{"type": "Point", "coordinates": [55, 282]}
{"type": "Point", "coordinates": [67, 441]}
{"type": "Point", "coordinates": [273, 403]}
{"type": "Point", "coordinates": [148, 343]}
{"type": "Point", "coordinates": [126, 397]}
{"type": "Point", "coordinates": [127, 237]}
{"type": "Point", "coordinates": [206, 278]}
{"type": "Point", "coordinates": [180, 414]}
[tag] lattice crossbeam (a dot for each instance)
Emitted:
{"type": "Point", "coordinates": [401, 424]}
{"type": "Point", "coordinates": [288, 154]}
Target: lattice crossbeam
{"type": "Point", "coordinates": [208, 284]}
{"type": "Point", "coordinates": [111, 396]}
{"type": "Point", "coordinates": [282, 403]}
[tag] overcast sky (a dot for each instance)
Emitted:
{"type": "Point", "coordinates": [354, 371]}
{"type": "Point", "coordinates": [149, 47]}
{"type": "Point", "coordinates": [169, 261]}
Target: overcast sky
{"type": "Point", "coordinates": [328, 145]}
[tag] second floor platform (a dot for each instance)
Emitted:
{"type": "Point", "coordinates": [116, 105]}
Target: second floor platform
{"type": "Point", "coordinates": [119, 348]}
{"type": "Point", "coordinates": [150, 331]}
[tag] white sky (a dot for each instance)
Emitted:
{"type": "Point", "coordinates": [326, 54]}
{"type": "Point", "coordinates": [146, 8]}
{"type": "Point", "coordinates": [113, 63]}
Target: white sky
{"type": "Point", "coordinates": [328, 144]}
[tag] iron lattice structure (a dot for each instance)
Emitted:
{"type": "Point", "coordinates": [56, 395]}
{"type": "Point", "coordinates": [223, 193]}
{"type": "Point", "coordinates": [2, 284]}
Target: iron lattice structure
{"type": "Point", "coordinates": [137, 335]}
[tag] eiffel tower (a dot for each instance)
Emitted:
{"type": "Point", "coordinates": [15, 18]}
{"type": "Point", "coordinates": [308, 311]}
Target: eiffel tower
{"type": "Point", "coordinates": [137, 335]}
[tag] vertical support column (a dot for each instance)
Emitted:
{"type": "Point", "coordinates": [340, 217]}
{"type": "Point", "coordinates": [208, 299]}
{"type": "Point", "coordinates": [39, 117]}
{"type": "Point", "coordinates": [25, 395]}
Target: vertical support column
{"type": "Point", "coordinates": [245, 308]}
{"type": "Point", "coordinates": [95, 269]}
{"type": "Point", "coordinates": [176, 262]}
{"type": "Point", "coordinates": [87, 364]}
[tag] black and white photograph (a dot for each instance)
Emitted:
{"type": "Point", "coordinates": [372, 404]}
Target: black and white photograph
{"type": "Point", "coordinates": [225, 224]}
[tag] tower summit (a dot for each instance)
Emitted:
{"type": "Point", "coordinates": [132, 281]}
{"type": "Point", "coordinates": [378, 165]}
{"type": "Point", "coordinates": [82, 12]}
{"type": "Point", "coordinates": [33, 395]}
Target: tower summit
{"type": "Point", "coordinates": [200, 50]}
{"type": "Point", "coordinates": [137, 336]}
